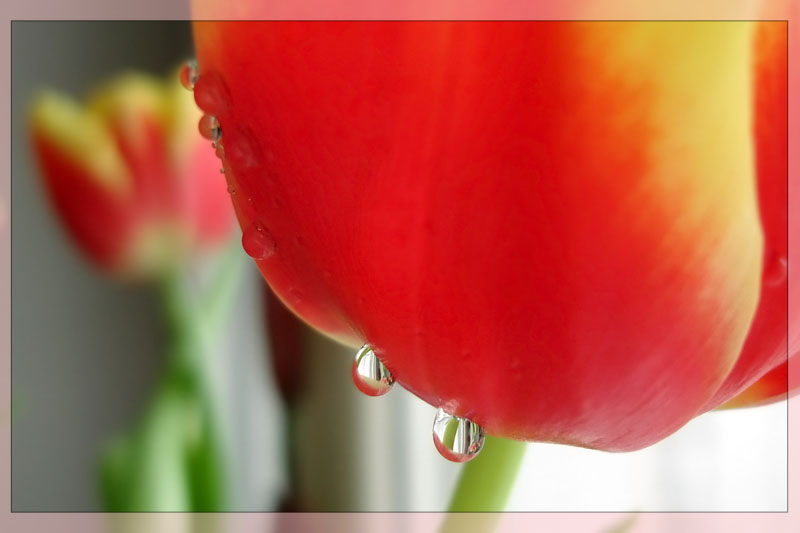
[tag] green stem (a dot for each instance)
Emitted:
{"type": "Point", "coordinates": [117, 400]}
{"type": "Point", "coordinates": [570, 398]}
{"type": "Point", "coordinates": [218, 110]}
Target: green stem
{"type": "Point", "coordinates": [173, 460]}
{"type": "Point", "coordinates": [485, 484]}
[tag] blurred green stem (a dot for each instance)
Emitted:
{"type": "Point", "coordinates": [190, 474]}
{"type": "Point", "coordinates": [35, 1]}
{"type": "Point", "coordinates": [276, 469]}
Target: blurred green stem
{"type": "Point", "coordinates": [173, 459]}
{"type": "Point", "coordinates": [484, 485]}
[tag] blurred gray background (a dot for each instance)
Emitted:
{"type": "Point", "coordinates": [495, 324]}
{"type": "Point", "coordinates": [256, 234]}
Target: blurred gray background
{"type": "Point", "coordinates": [86, 350]}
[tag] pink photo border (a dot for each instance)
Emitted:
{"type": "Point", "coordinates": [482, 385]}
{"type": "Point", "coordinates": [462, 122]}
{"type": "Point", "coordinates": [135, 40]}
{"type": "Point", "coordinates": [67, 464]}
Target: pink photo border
{"type": "Point", "coordinates": [387, 10]}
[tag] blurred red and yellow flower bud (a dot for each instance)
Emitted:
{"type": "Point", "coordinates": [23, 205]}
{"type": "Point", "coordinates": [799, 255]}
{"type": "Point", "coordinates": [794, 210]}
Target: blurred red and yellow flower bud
{"type": "Point", "coordinates": [130, 176]}
{"type": "Point", "coordinates": [565, 232]}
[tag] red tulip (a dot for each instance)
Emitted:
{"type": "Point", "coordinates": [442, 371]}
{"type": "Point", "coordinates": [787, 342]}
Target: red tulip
{"type": "Point", "coordinates": [562, 231]}
{"type": "Point", "coordinates": [129, 174]}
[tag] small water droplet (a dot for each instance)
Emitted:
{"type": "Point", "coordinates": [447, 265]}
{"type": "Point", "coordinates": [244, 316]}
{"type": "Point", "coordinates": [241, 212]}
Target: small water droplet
{"type": "Point", "coordinates": [219, 150]}
{"type": "Point", "coordinates": [457, 439]}
{"type": "Point", "coordinates": [222, 170]}
{"type": "Point", "coordinates": [257, 242]}
{"type": "Point", "coordinates": [775, 268]}
{"type": "Point", "coordinates": [231, 190]}
{"type": "Point", "coordinates": [189, 74]}
{"type": "Point", "coordinates": [370, 375]}
{"type": "Point", "coordinates": [211, 94]}
{"type": "Point", "coordinates": [209, 128]}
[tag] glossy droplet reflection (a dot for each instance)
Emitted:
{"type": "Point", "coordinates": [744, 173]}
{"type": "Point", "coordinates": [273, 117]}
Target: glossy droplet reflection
{"type": "Point", "coordinates": [209, 128]}
{"type": "Point", "coordinates": [370, 375]}
{"type": "Point", "coordinates": [457, 439]}
{"type": "Point", "coordinates": [257, 242]}
{"type": "Point", "coordinates": [775, 269]}
{"type": "Point", "coordinates": [189, 74]}
{"type": "Point", "coordinates": [211, 94]}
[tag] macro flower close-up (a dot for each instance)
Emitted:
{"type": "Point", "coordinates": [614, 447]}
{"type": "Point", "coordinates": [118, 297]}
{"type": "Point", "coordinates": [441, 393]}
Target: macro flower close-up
{"type": "Point", "coordinates": [306, 266]}
{"type": "Point", "coordinates": [559, 245]}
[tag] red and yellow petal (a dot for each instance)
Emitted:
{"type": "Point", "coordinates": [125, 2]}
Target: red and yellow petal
{"type": "Point", "coordinates": [766, 344]}
{"type": "Point", "coordinates": [549, 228]}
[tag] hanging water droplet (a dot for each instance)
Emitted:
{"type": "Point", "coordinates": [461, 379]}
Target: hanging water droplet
{"type": "Point", "coordinates": [775, 268]}
{"type": "Point", "coordinates": [189, 74]}
{"type": "Point", "coordinates": [257, 242]}
{"type": "Point", "coordinates": [370, 375]}
{"type": "Point", "coordinates": [211, 94]}
{"type": "Point", "coordinates": [457, 439]}
{"type": "Point", "coordinates": [209, 128]}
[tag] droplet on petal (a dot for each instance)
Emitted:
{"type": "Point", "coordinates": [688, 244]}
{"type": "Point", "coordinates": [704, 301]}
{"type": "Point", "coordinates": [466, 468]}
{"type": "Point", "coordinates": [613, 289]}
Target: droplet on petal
{"type": "Point", "coordinates": [457, 439]}
{"type": "Point", "coordinates": [189, 74]}
{"type": "Point", "coordinates": [257, 242]}
{"type": "Point", "coordinates": [370, 375]}
{"type": "Point", "coordinates": [775, 268]}
{"type": "Point", "coordinates": [209, 128]}
{"type": "Point", "coordinates": [211, 94]}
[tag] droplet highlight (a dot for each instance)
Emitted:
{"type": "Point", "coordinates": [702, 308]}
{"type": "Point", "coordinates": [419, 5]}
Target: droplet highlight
{"type": "Point", "coordinates": [257, 242]}
{"type": "Point", "coordinates": [775, 270]}
{"type": "Point", "coordinates": [209, 128]}
{"type": "Point", "coordinates": [189, 74]}
{"type": "Point", "coordinates": [370, 375]}
{"type": "Point", "coordinates": [457, 439]}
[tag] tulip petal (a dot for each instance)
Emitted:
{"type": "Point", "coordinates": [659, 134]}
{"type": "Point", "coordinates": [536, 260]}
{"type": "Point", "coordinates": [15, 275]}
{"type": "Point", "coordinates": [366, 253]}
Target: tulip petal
{"type": "Point", "coordinates": [766, 344]}
{"type": "Point", "coordinates": [549, 228]}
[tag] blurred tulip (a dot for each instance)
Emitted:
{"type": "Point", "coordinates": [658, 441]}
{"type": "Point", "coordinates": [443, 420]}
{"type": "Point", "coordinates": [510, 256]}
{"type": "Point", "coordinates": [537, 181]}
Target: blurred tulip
{"type": "Point", "coordinates": [140, 191]}
{"type": "Point", "coordinates": [129, 174]}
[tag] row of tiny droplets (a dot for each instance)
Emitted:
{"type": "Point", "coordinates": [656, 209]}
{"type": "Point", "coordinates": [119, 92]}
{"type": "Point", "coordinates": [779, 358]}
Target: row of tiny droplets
{"type": "Point", "coordinates": [257, 242]}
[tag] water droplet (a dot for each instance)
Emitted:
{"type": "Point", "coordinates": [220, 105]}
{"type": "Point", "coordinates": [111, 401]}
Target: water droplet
{"type": "Point", "coordinates": [231, 190]}
{"type": "Point", "coordinates": [257, 242]}
{"type": "Point", "coordinates": [370, 375]}
{"type": "Point", "coordinates": [209, 128]}
{"type": "Point", "coordinates": [189, 74]}
{"type": "Point", "coordinates": [457, 439]}
{"type": "Point", "coordinates": [219, 150]}
{"type": "Point", "coordinates": [211, 94]}
{"type": "Point", "coordinates": [775, 268]}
